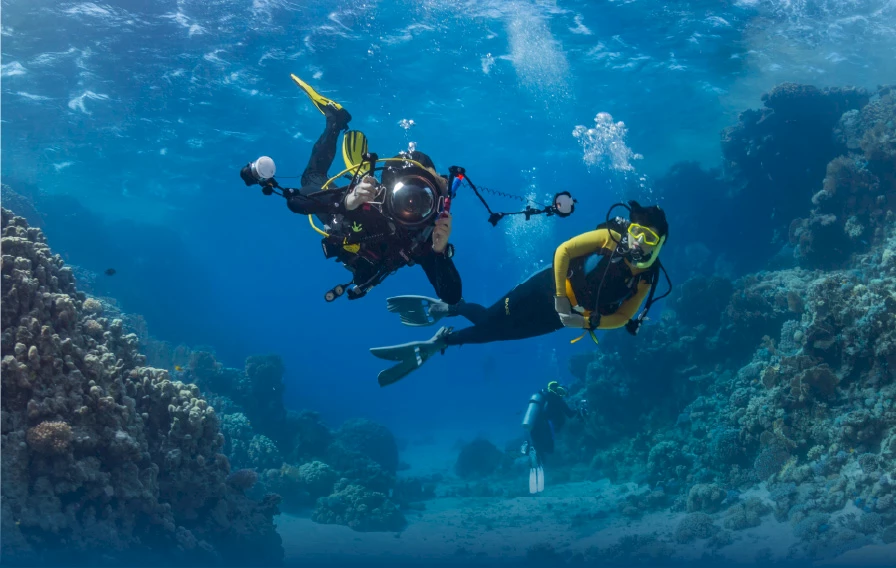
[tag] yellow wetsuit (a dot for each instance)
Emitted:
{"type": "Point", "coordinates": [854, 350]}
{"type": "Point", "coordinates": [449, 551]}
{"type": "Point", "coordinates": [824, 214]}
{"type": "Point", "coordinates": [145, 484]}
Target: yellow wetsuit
{"type": "Point", "coordinates": [601, 242]}
{"type": "Point", "coordinates": [527, 310]}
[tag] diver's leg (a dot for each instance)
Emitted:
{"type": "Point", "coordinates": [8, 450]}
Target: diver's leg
{"type": "Point", "coordinates": [526, 311]}
{"type": "Point", "coordinates": [541, 437]}
{"type": "Point", "coordinates": [549, 439]}
{"type": "Point", "coordinates": [322, 155]}
{"type": "Point", "coordinates": [475, 313]}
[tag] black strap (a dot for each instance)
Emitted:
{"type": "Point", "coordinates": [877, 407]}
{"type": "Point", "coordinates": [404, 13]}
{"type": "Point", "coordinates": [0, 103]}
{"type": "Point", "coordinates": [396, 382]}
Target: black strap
{"type": "Point", "coordinates": [653, 286]}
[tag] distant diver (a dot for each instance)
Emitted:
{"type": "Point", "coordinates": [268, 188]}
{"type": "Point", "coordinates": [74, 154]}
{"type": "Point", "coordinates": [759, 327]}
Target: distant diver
{"type": "Point", "coordinates": [373, 228]}
{"type": "Point", "coordinates": [545, 416]}
{"type": "Point", "coordinates": [599, 280]}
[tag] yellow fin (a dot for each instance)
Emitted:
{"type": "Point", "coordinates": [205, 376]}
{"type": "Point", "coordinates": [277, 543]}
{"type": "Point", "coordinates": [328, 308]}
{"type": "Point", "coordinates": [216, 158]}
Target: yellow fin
{"type": "Point", "coordinates": [320, 101]}
{"type": "Point", "coordinates": [354, 146]}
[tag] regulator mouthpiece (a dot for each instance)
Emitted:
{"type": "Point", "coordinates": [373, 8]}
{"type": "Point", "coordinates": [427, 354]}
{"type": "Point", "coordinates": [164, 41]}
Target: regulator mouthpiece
{"type": "Point", "coordinates": [263, 168]}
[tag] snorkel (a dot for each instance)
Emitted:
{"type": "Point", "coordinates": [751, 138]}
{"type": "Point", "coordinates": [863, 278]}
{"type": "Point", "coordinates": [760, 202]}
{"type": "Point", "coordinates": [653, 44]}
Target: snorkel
{"type": "Point", "coordinates": [639, 260]}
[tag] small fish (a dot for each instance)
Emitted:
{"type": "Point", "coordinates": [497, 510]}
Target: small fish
{"type": "Point", "coordinates": [109, 271]}
{"type": "Point", "coordinates": [178, 368]}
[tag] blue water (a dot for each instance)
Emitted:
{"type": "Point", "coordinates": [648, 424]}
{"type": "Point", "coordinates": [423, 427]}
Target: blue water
{"type": "Point", "coordinates": [136, 117]}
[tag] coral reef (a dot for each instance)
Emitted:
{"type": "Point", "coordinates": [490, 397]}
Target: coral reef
{"type": "Point", "coordinates": [746, 514]}
{"type": "Point", "coordinates": [86, 392]}
{"type": "Point", "coordinates": [359, 509]}
{"type": "Point", "coordinates": [782, 380]}
{"type": "Point", "coordinates": [858, 194]}
{"type": "Point", "coordinates": [772, 166]}
{"type": "Point", "coordinates": [695, 526]}
{"type": "Point", "coordinates": [100, 453]}
{"type": "Point", "coordinates": [294, 454]}
{"type": "Point", "coordinates": [257, 390]}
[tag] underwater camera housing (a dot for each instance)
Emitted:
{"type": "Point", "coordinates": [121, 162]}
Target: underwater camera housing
{"type": "Point", "coordinates": [412, 201]}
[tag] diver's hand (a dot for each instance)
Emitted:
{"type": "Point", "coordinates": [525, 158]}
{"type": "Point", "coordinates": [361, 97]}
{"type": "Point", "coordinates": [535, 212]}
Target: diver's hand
{"type": "Point", "coordinates": [562, 305]}
{"type": "Point", "coordinates": [362, 193]}
{"type": "Point", "coordinates": [567, 317]}
{"type": "Point", "coordinates": [573, 320]}
{"type": "Point", "coordinates": [441, 233]}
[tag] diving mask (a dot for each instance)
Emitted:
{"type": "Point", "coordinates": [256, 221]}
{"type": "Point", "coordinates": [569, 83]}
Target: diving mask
{"type": "Point", "coordinates": [645, 235]}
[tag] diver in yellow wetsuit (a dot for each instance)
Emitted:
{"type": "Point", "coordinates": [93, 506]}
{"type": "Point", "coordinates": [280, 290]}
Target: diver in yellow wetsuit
{"type": "Point", "coordinates": [598, 280]}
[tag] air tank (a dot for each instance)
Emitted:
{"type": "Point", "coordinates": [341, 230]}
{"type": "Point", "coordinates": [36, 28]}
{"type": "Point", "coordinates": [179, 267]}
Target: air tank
{"type": "Point", "coordinates": [536, 403]}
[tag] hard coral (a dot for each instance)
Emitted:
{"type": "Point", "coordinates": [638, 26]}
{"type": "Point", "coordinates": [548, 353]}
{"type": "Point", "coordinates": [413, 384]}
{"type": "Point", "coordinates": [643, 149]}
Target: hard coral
{"type": "Point", "coordinates": [705, 498]}
{"type": "Point", "coordinates": [695, 526]}
{"type": "Point", "coordinates": [746, 515]}
{"type": "Point", "coordinates": [243, 479]}
{"type": "Point", "coordinates": [359, 509]}
{"type": "Point", "coordinates": [318, 478]}
{"type": "Point", "coordinates": [53, 438]}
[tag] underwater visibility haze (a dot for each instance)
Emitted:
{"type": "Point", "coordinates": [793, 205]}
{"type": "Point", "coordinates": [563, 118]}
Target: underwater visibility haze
{"type": "Point", "coordinates": [191, 375]}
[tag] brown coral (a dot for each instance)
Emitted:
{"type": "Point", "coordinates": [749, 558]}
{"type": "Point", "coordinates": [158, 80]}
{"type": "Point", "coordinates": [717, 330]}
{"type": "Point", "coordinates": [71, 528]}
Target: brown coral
{"type": "Point", "coordinates": [53, 438]}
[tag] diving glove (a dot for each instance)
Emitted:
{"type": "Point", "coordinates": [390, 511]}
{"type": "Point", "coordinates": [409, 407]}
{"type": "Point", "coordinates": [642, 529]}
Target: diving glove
{"type": "Point", "coordinates": [567, 317]}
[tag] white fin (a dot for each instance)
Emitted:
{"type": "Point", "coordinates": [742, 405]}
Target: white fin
{"type": "Point", "coordinates": [533, 481]}
{"type": "Point", "coordinates": [540, 478]}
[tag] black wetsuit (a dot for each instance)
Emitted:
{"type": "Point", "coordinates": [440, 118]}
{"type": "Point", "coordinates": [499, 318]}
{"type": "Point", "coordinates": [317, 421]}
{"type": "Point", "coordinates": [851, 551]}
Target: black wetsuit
{"type": "Point", "coordinates": [552, 417]}
{"type": "Point", "coordinates": [526, 311]}
{"type": "Point", "coordinates": [369, 227]}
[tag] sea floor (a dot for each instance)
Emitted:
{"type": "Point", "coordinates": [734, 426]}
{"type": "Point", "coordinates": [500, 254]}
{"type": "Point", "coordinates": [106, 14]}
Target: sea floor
{"type": "Point", "coordinates": [571, 517]}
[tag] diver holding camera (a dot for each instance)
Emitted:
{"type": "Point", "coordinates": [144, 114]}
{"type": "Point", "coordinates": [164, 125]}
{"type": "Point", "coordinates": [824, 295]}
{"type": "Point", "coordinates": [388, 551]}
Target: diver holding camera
{"type": "Point", "coordinates": [376, 227]}
{"type": "Point", "coordinates": [373, 228]}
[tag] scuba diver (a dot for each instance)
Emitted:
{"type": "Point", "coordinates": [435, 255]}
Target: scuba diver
{"type": "Point", "coordinates": [373, 228]}
{"type": "Point", "coordinates": [545, 415]}
{"type": "Point", "coordinates": [599, 280]}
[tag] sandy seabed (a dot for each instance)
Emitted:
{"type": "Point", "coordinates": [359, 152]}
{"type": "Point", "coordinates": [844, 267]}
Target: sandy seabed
{"type": "Point", "coordinates": [501, 530]}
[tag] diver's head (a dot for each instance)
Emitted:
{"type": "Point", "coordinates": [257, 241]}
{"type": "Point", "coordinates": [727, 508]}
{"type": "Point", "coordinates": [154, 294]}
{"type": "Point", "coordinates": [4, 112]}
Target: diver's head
{"type": "Point", "coordinates": [413, 192]}
{"type": "Point", "coordinates": [558, 389]}
{"type": "Point", "coordinates": [647, 233]}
